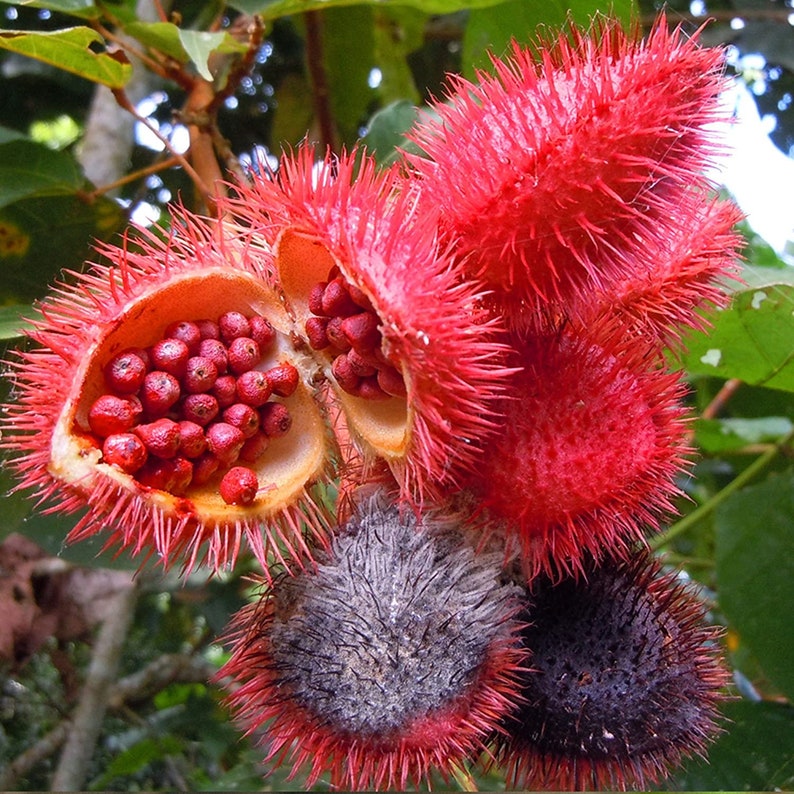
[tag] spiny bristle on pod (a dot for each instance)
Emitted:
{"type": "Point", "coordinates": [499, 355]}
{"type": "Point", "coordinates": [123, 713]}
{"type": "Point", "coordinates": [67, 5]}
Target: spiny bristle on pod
{"type": "Point", "coordinates": [395, 657]}
{"type": "Point", "coordinates": [161, 393]}
{"type": "Point", "coordinates": [553, 173]}
{"type": "Point", "coordinates": [593, 437]}
{"type": "Point", "coordinates": [414, 361]}
{"type": "Point", "coordinates": [681, 275]}
{"type": "Point", "coordinates": [628, 680]}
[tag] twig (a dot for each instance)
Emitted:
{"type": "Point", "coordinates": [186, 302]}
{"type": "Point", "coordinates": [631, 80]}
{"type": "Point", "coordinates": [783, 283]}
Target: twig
{"type": "Point", "coordinates": [124, 102]}
{"type": "Point", "coordinates": [707, 508]}
{"type": "Point", "coordinates": [321, 94]}
{"type": "Point", "coordinates": [169, 162]}
{"type": "Point", "coordinates": [140, 686]}
{"type": "Point", "coordinates": [86, 724]}
{"type": "Point", "coordinates": [721, 398]}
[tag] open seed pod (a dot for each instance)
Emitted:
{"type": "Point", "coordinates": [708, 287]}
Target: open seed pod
{"type": "Point", "coordinates": [401, 339]}
{"type": "Point", "coordinates": [166, 396]}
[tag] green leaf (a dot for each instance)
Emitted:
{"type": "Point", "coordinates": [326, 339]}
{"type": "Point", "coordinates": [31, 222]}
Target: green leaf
{"type": "Point", "coordinates": [752, 340]}
{"type": "Point", "coordinates": [724, 435]}
{"type": "Point", "coordinates": [272, 9]}
{"type": "Point", "coordinates": [46, 234]}
{"type": "Point", "coordinates": [755, 572]}
{"type": "Point", "coordinates": [386, 130]}
{"type": "Point", "coordinates": [75, 8]}
{"type": "Point", "coordinates": [7, 134]}
{"type": "Point", "coordinates": [69, 49]}
{"type": "Point", "coordinates": [344, 32]}
{"type": "Point", "coordinates": [754, 754]}
{"type": "Point", "coordinates": [13, 320]}
{"type": "Point", "coordinates": [199, 45]}
{"type": "Point", "coordinates": [398, 32]}
{"type": "Point", "coordinates": [491, 32]}
{"type": "Point", "coordinates": [29, 169]}
{"type": "Point", "coordinates": [161, 36]}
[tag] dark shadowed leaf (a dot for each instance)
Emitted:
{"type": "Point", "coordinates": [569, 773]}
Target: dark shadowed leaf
{"type": "Point", "coordinates": [755, 572]}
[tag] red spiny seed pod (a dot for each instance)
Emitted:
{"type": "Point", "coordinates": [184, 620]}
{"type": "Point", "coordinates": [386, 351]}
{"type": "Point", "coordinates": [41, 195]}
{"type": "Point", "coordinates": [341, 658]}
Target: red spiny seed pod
{"type": "Point", "coordinates": [628, 680]}
{"type": "Point", "coordinates": [348, 224]}
{"type": "Point", "coordinates": [554, 179]}
{"type": "Point", "coordinates": [594, 435]}
{"type": "Point", "coordinates": [395, 657]}
{"type": "Point", "coordinates": [69, 396]}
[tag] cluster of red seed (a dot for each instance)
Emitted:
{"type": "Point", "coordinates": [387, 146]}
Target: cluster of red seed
{"type": "Point", "coordinates": [193, 404]}
{"type": "Point", "coordinates": [345, 324]}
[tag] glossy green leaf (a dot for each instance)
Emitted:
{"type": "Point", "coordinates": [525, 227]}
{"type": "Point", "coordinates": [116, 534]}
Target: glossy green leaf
{"type": "Point", "coordinates": [272, 9]}
{"type": "Point", "coordinates": [29, 169]}
{"type": "Point", "coordinates": [755, 572]}
{"type": "Point", "coordinates": [75, 8]}
{"type": "Point", "coordinates": [69, 49]}
{"type": "Point", "coordinates": [752, 340]}
{"type": "Point", "coordinates": [491, 32]}
{"type": "Point", "coordinates": [47, 234]}
{"type": "Point", "coordinates": [756, 753]}
{"type": "Point", "coordinates": [724, 435]}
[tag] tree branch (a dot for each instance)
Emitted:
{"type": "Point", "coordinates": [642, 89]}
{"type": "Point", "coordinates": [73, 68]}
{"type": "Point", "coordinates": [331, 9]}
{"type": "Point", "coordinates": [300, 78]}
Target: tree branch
{"type": "Point", "coordinates": [320, 93]}
{"type": "Point", "coordinates": [87, 721]}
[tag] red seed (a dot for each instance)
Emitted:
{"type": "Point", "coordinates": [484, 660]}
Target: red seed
{"type": "Point", "coordinates": [110, 414]}
{"type": "Point", "coordinates": [253, 388]}
{"type": "Point", "coordinates": [274, 419]}
{"type": "Point", "coordinates": [359, 297]}
{"type": "Point", "coordinates": [359, 364]}
{"type": "Point", "coordinates": [204, 468]}
{"type": "Point", "coordinates": [170, 355]}
{"type": "Point", "coordinates": [262, 332]}
{"type": "Point", "coordinates": [336, 335]}
{"type": "Point", "coordinates": [124, 373]}
{"type": "Point", "coordinates": [336, 300]}
{"type": "Point", "coordinates": [161, 437]}
{"type": "Point", "coordinates": [239, 486]}
{"type": "Point", "coordinates": [315, 332]}
{"type": "Point", "coordinates": [200, 375]}
{"type": "Point", "coordinates": [243, 417]}
{"type": "Point", "coordinates": [200, 408]}
{"type": "Point", "coordinates": [225, 442]}
{"type": "Point", "coordinates": [124, 450]}
{"type": "Point", "coordinates": [361, 330]}
{"type": "Point", "coordinates": [283, 379]}
{"type": "Point", "coordinates": [188, 332]}
{"type": "Point", "coordinates": [216, 352]}
{"type": "Point", "coordinates": [233, 325]}
{"type": "Point", "coordinates": [344, 375]}
{"type": "Point", "coordinates": [192, 441]}
{"type": "Point", "coordinates": [391, 381]}
{"type": "Point", "coordinates": [173, 476]}
{"type": "Point", "coordinates": [316, 297]}
{"type": "Point", "coordinates": [225, 390]}
{"type": "Point", "coordinates": [254, 447]}
{"type": "Point", "coordinates": [159, 392]}
{"type": "Point", "coordinates": [244, 354]}
{"type": "Point", "coordinates": [208, 329]}
{"type": "Point", "coordinates": [369, 389]}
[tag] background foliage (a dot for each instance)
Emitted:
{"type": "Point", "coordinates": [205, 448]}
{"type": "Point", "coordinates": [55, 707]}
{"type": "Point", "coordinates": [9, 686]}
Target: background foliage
{"type": "Point", "coordinates": [75, 165]}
